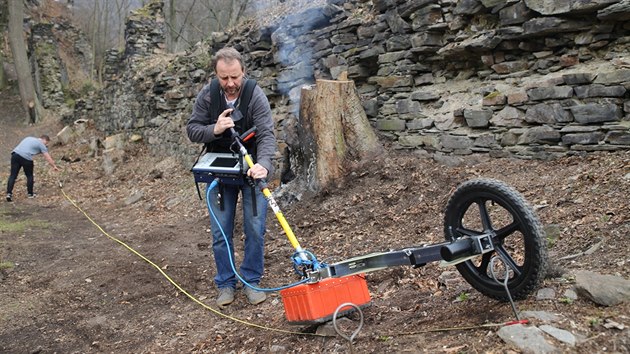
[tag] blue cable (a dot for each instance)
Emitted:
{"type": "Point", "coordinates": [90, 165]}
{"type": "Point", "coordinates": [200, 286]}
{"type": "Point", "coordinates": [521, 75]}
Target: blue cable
{"type": "Point", "coordinates": [227, 244]}
{"type": "Point", "coordinates": [298, 261]}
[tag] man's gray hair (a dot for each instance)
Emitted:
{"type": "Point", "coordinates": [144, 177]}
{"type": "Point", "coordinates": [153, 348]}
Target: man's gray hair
{"type": "Point", "coordinates": [227, 54]}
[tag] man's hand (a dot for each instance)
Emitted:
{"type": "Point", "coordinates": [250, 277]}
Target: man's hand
{"type": "Point", "coordinates": [257, 172]}
{"type": "Point", "coordinates": [224, 122]}
{"type": "Point", "coordinates": [50, 161]}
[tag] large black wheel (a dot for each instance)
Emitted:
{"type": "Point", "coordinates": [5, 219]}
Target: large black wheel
{"type": "Point", "coordinates": [488, 206]}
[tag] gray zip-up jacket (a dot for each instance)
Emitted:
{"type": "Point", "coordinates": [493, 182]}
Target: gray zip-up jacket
{"type": "Point", "coordinates": [201, 130]}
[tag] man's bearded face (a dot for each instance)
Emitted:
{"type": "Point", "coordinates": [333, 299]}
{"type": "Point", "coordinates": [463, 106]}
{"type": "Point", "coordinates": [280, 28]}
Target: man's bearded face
{"type": "Point", "coordinates": [230, 74]}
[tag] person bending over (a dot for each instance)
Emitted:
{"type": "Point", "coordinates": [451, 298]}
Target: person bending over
{"type": "Point", "coordinates": [22, 158]}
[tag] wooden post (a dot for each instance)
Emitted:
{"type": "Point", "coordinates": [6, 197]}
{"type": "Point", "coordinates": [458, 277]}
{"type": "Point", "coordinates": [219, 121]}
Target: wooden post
{"type": "Point", "coordinates": [335, 134]}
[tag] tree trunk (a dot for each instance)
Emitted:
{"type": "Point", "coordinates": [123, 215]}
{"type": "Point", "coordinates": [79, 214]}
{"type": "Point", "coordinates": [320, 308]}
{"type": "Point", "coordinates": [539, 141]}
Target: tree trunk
{"type": "Point", "coordinates": [3, 77]}
{"type": "Point", "coordinates": [3, 27]}
{"type": "Point", "coordinates": [236, 12]}
{"type": "Point", "coordinates": [172, 25]}
{"type": "Point", "coordinates": [96, 27]}
{"type": "Point", "coordinates": [335, 134]}
{"type": "Point", "coordinates": [20, 58]}
{"type": "Point", "coordinates": [122, 8]}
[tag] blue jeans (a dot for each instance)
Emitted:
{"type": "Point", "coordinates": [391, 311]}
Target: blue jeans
{"type": "Point", "coordinates": [252, 267]}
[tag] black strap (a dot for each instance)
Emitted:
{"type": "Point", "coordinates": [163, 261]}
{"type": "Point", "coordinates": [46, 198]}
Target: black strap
{"type": "Point", "coordinates": [218, 105]}
{"type": "Point", "coordinates": [246, 96]}
{"type": "Point", "coordinates": [254, 206]}
{"type": "Point", "coordinates": [220, 196]}
{"type": "Point", "coordinates": [243, 104]}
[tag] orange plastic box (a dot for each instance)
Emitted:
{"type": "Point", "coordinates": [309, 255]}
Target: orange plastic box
{"type": "Point", "coordinates": [316, 303]}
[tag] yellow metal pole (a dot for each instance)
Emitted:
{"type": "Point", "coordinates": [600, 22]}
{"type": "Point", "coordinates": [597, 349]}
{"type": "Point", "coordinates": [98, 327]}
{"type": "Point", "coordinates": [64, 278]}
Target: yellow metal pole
{"type": "Point", "coordinates": [275, 208]}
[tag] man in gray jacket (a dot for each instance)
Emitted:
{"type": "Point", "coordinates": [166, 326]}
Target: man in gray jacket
{"type": "Point", "coordinates": [22, 158]}
{"type": "Point", "coordinates": [211, 123]}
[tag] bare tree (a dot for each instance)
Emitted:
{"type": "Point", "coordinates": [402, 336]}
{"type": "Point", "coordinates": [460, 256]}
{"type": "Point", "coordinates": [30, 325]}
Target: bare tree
{"type": "Point", "coordinates": [190, 21]}
{"type": "Point", "coordinates": [3, 77]}
{"type": "Point", "coordinates": [236, 12]}
{"type": "Point", "coordinates": [177, 32]}
{"type": "Point", "coordinates": [96, 27]}
{"type": "Point", "coordinates": [104, 36]}
{"type": "Point", "coordinates": [3, 23]}
{"type": "Point", "coordinates": [122, 9]}
{"type": "Point", "coordinates": [225, 14]}
{"type": "Point", "coordinates": [172, 38]}
{"type": "Point", "coordinates": [20, 58]}
{"type": "Point", "coordinates": [101, 34]}
{"type": "Point", "coordinates": [104, 22]}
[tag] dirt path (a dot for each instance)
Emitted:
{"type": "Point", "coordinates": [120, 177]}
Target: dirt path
{"type": "Point", "coordinates": [73, 289]}
{"type": "Point", "coordinates": [70, 288]}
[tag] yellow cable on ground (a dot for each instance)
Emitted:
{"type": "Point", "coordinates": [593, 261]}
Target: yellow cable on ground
{"type": "Point", "coordinates": [177, 285]}
{"type": "Point", "coordinates": [250, 324]}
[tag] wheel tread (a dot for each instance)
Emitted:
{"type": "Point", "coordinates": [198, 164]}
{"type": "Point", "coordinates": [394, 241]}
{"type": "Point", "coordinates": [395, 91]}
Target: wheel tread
{"type": "Point", "coordinates": [537, 265]}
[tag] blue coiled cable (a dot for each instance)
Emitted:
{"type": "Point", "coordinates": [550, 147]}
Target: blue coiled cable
{"type": "Point", "coordinates": [208, 189]}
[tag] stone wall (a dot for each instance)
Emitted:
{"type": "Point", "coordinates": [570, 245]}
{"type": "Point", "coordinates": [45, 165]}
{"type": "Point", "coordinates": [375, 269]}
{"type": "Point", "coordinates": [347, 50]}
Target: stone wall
{"type": "Point", "coordinates": [54, 47]}
{"type": "Point", "coordinates": [529, 78]}
{"type": "Point", "coordinates": [49, 69]}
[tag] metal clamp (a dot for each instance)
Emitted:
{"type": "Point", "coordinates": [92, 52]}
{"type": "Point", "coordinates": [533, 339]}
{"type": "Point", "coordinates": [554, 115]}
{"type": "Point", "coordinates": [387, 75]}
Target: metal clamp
{"type": "Point", "coordinates": [482, 243]}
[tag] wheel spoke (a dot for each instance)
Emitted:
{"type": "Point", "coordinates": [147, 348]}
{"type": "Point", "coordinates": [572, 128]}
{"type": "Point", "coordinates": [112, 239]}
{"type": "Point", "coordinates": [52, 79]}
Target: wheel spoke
{"type": "Point", "coordinates": [506, 231]}
{"type": "Point", "coordinates": [505, 256]}
{"type": "Point", "coordinates": [483, 267]}
{"type": "Point", "coordinates": [467, 232]}
{"type": "Point", "coordinates": [485, 217]}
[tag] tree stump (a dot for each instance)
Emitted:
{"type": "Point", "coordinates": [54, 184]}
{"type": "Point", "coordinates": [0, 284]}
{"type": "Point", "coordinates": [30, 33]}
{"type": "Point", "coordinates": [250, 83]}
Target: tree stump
{"type": "Point", "coordinates": [336, 137]}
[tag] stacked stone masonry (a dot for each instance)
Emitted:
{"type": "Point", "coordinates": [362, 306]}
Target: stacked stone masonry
{"type": "Point", "coordinates": [531, 78]}
{"type": "Point", "coordinates": [47, 42]}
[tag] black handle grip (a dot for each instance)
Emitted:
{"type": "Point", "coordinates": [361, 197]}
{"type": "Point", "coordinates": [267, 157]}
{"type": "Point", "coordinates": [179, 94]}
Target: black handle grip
{"type": "Point", "coordinates": [457, 249]}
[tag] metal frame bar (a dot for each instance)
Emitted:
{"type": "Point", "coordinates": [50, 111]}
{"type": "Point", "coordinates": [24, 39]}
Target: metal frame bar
{"type": "Point", "coordinates": [413, 256]}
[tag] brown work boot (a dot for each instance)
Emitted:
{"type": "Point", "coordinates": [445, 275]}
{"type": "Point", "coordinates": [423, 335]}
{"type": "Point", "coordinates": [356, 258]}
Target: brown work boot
{"type": "Point", "coordinates": [226, 296]}
{"type": "Point", "coordinates": [254, 297]}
